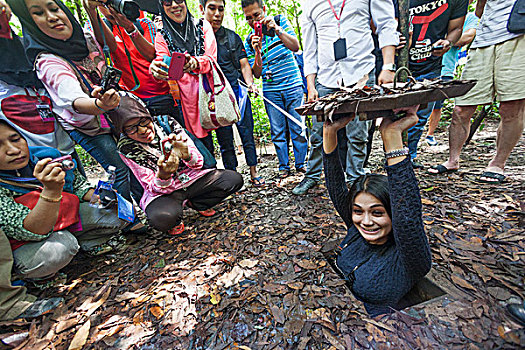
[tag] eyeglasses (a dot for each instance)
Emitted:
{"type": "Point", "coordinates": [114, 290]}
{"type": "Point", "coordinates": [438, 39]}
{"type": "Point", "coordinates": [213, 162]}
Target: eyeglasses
{"type": "Point", "coordinates": [169, 2]}
{"type": "Point", "coordinates": [133, 129]}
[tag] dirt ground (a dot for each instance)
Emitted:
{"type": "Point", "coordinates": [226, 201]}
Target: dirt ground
{"type": "Point", "coordinates": [255, 276]}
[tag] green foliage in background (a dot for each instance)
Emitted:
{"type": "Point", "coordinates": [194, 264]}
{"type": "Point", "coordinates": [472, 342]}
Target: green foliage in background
{"type": "Point", "coordinates": [85, 158]}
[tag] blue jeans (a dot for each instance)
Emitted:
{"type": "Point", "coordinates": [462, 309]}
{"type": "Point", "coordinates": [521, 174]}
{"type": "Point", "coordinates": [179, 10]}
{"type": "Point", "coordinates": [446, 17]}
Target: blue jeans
{"type": "Point", "coordinates": [415, 132]}
{"type": "Point", "coordinates": [288, 100]}
{"type": "Point", "coordinates": [351, 143]}
{"type": "Point", "coordinates": [104, 149]}
{"type": "Point", "coordinates": [245, 128]}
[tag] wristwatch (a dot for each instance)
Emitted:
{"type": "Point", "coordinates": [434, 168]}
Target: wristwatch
{"type": "Point", "coordinates": [389, 66]}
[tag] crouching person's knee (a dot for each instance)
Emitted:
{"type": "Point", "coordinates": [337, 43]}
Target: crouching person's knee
{"type": "Point", "coordinates": [45, 258]}
{"type": "Point", "coordinates": [233, 181]}
{"type": "Point", "coordinates": [164, 220]}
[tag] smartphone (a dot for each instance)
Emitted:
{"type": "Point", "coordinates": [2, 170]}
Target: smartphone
{"type": "Point", "coordinates": [66, 162]}
{"type": "Point", "coordinates": [258, 28]}
{"type": "Point", "coordinates": [5, 29]}
{"type": "Point", "coordinates": [175, 71]}
{"type": "Point", "coordinates": [166, 146]}
{"type": "Point", "coordinates": [437, 47]}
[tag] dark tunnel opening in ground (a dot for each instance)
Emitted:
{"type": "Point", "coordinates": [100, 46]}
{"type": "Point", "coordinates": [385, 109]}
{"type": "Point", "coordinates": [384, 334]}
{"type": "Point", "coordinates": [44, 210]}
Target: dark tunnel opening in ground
{"type": "Point", "coordinates": [422, 292]}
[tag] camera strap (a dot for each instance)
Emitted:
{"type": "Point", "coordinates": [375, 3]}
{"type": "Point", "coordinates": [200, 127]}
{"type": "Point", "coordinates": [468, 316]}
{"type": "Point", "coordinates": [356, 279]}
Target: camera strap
{"type": "Point", "coordinates": [105, 48]}
{"type": "Point", "coordinates": [107, 53]}
{"type": "Point", "coordinates": [128, 55]}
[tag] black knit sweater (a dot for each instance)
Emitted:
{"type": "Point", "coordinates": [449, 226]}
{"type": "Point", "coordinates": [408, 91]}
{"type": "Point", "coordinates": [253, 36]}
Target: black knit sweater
{"type": "Point", "coordinates": [386, 272]}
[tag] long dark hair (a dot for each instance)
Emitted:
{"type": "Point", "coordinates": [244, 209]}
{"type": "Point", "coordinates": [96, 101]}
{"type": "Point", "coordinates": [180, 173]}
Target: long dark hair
{"type": "Point", "coordinates": [374, 184]}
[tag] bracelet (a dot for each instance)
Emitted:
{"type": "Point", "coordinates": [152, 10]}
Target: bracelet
{"type": "Point", "coordinates": [134, 33]}
{"type": "Point", "coordinates": [96, 105]}
{"type": "Point", "coordinates": [103, 110]}
{"type": "Point", "coordinates": [51, 200]}
{"type": "Point", "coordinates": [397, 153]}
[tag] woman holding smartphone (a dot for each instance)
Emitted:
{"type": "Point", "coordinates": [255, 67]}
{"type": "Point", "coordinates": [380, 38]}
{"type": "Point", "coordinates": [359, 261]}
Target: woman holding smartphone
{"type": "Point", "coordinates": [182, 34]}
{"type": "Point", "coordinates": [170, 169]}
{"type": "Point", "coordinates": [70, 63]}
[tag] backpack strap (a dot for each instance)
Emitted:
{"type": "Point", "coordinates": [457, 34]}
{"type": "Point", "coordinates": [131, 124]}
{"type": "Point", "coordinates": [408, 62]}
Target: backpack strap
{"type": "Point", "coordinates": [230, 35]}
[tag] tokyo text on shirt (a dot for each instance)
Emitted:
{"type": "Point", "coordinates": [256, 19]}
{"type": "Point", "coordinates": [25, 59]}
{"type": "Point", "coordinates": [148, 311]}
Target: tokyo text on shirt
{"type": "Point", "coordinates": [429, 20]}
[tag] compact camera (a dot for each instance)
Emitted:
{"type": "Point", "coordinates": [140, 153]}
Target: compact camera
{"type": "Point", "coordinates": [128, 8]}
{"type": "Point", "coordinates": [66, 162]}
{"type": "Point", "coordinates": [261, 29]}
{"type": "Point", "coordinates": [110, 79]}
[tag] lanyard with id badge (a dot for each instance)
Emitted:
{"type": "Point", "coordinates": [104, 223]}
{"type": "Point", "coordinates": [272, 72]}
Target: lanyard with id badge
{"type": "Point", "coordinates": [44, 109]}
{"type": "Point", "coordinates": [339, 44]}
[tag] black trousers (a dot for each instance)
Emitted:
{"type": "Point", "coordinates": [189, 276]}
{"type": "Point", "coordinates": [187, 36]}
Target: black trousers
{"type": "Point", "coordinates": [165, 212]}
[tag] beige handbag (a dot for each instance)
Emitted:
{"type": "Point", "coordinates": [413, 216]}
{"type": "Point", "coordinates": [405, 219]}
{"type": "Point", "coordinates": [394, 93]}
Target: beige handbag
{"type": "Point", "coordinates": [217, 104]}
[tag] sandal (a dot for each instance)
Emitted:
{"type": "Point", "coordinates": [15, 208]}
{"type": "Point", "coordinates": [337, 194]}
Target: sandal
{"type": "Point", "coordinates": [498, 178]}
{"type": "Point", "coordinates": [440, 169]}
{"type": "Point", "coordinates": [207, 212]}
{"type": "Point", "coordinates": [177, 230]}
{"type": "Point", "coordinates": [284, 173]}
{"type": "Point", "coordinates": [257, 181]}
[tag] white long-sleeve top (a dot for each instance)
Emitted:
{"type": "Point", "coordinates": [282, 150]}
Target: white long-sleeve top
{"type": "Point", "coordinates": [320, 31]}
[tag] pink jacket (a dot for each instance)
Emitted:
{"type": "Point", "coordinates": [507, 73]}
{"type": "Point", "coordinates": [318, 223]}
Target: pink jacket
{"type": "Point", "coordinates": [189, 83]}
{"type": "Point", "coordinates": [155, 187]}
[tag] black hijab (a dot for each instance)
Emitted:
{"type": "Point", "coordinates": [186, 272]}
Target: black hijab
{"type": "Point", "coordinates": [35, 41]}
{"type": "Point", "coordinates": [15, 68]}
{"type": "Point", "coordinates": [174, 33]}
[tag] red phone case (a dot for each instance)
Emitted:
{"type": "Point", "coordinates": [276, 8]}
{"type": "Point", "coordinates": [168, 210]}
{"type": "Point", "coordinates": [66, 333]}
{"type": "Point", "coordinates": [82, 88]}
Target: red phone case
{"type": "Point", "coordinates": [175, 71]}
{"type": "Point", "coordinates": [5, 29]}
{"type": "Point", "coordinates": [166, 146]}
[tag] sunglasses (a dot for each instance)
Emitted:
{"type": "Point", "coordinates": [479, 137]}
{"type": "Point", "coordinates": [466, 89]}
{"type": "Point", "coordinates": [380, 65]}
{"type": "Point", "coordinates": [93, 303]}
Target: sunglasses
{"type": "Point", "coordinates": [133, 129]}
{"type": "Point", "coordinates": [169, 2]}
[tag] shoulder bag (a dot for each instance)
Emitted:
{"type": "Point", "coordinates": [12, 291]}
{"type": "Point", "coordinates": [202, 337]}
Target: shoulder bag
{"type": "Point", "coordinates": [217, 104]}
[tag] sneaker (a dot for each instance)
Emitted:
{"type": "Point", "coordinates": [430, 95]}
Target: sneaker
{"type": "Point", "coordinates": [41, 307]}
{"type": "Point", "coordinates": [208, 212]}
{"type": "Point", "coordinates": [177, 230]}
{"type": "Point", "coordinates": [430, 140]}
{"type": "Point", "coordinates": [304, 186]}
{"type": "Point", "coordinates": [284, 173]}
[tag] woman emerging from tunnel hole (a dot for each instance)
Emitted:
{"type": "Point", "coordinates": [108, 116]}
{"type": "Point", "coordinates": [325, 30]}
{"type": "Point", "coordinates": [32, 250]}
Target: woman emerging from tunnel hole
{"type": "Point", "coordinates": [386, 251]}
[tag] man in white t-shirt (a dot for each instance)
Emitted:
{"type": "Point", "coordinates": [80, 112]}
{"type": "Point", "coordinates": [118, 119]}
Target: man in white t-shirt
{"type": "Point", "coordinates": [497, 61]}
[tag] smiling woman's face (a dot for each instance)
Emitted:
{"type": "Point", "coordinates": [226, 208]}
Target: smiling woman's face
{"type": "Point", "coordinates": [371, 218]}
{"type": "Point", "coordinates": [140, 129]}
{"type": "Point", "coordinates": [176, 12]}
{"type": "Point", "coordinates": [14, 153]}
{"type": "Point", "coordinates": [50, 19]}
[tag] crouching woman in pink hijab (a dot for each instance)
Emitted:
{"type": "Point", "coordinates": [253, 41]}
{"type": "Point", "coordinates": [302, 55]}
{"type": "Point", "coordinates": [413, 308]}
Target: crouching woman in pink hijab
{"type": "Point", "coordinates": [171, 179]}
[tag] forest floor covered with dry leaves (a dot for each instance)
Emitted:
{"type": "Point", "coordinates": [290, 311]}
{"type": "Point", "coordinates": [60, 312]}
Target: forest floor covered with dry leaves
{"type": "Point", "coordinates": [255, 276]}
